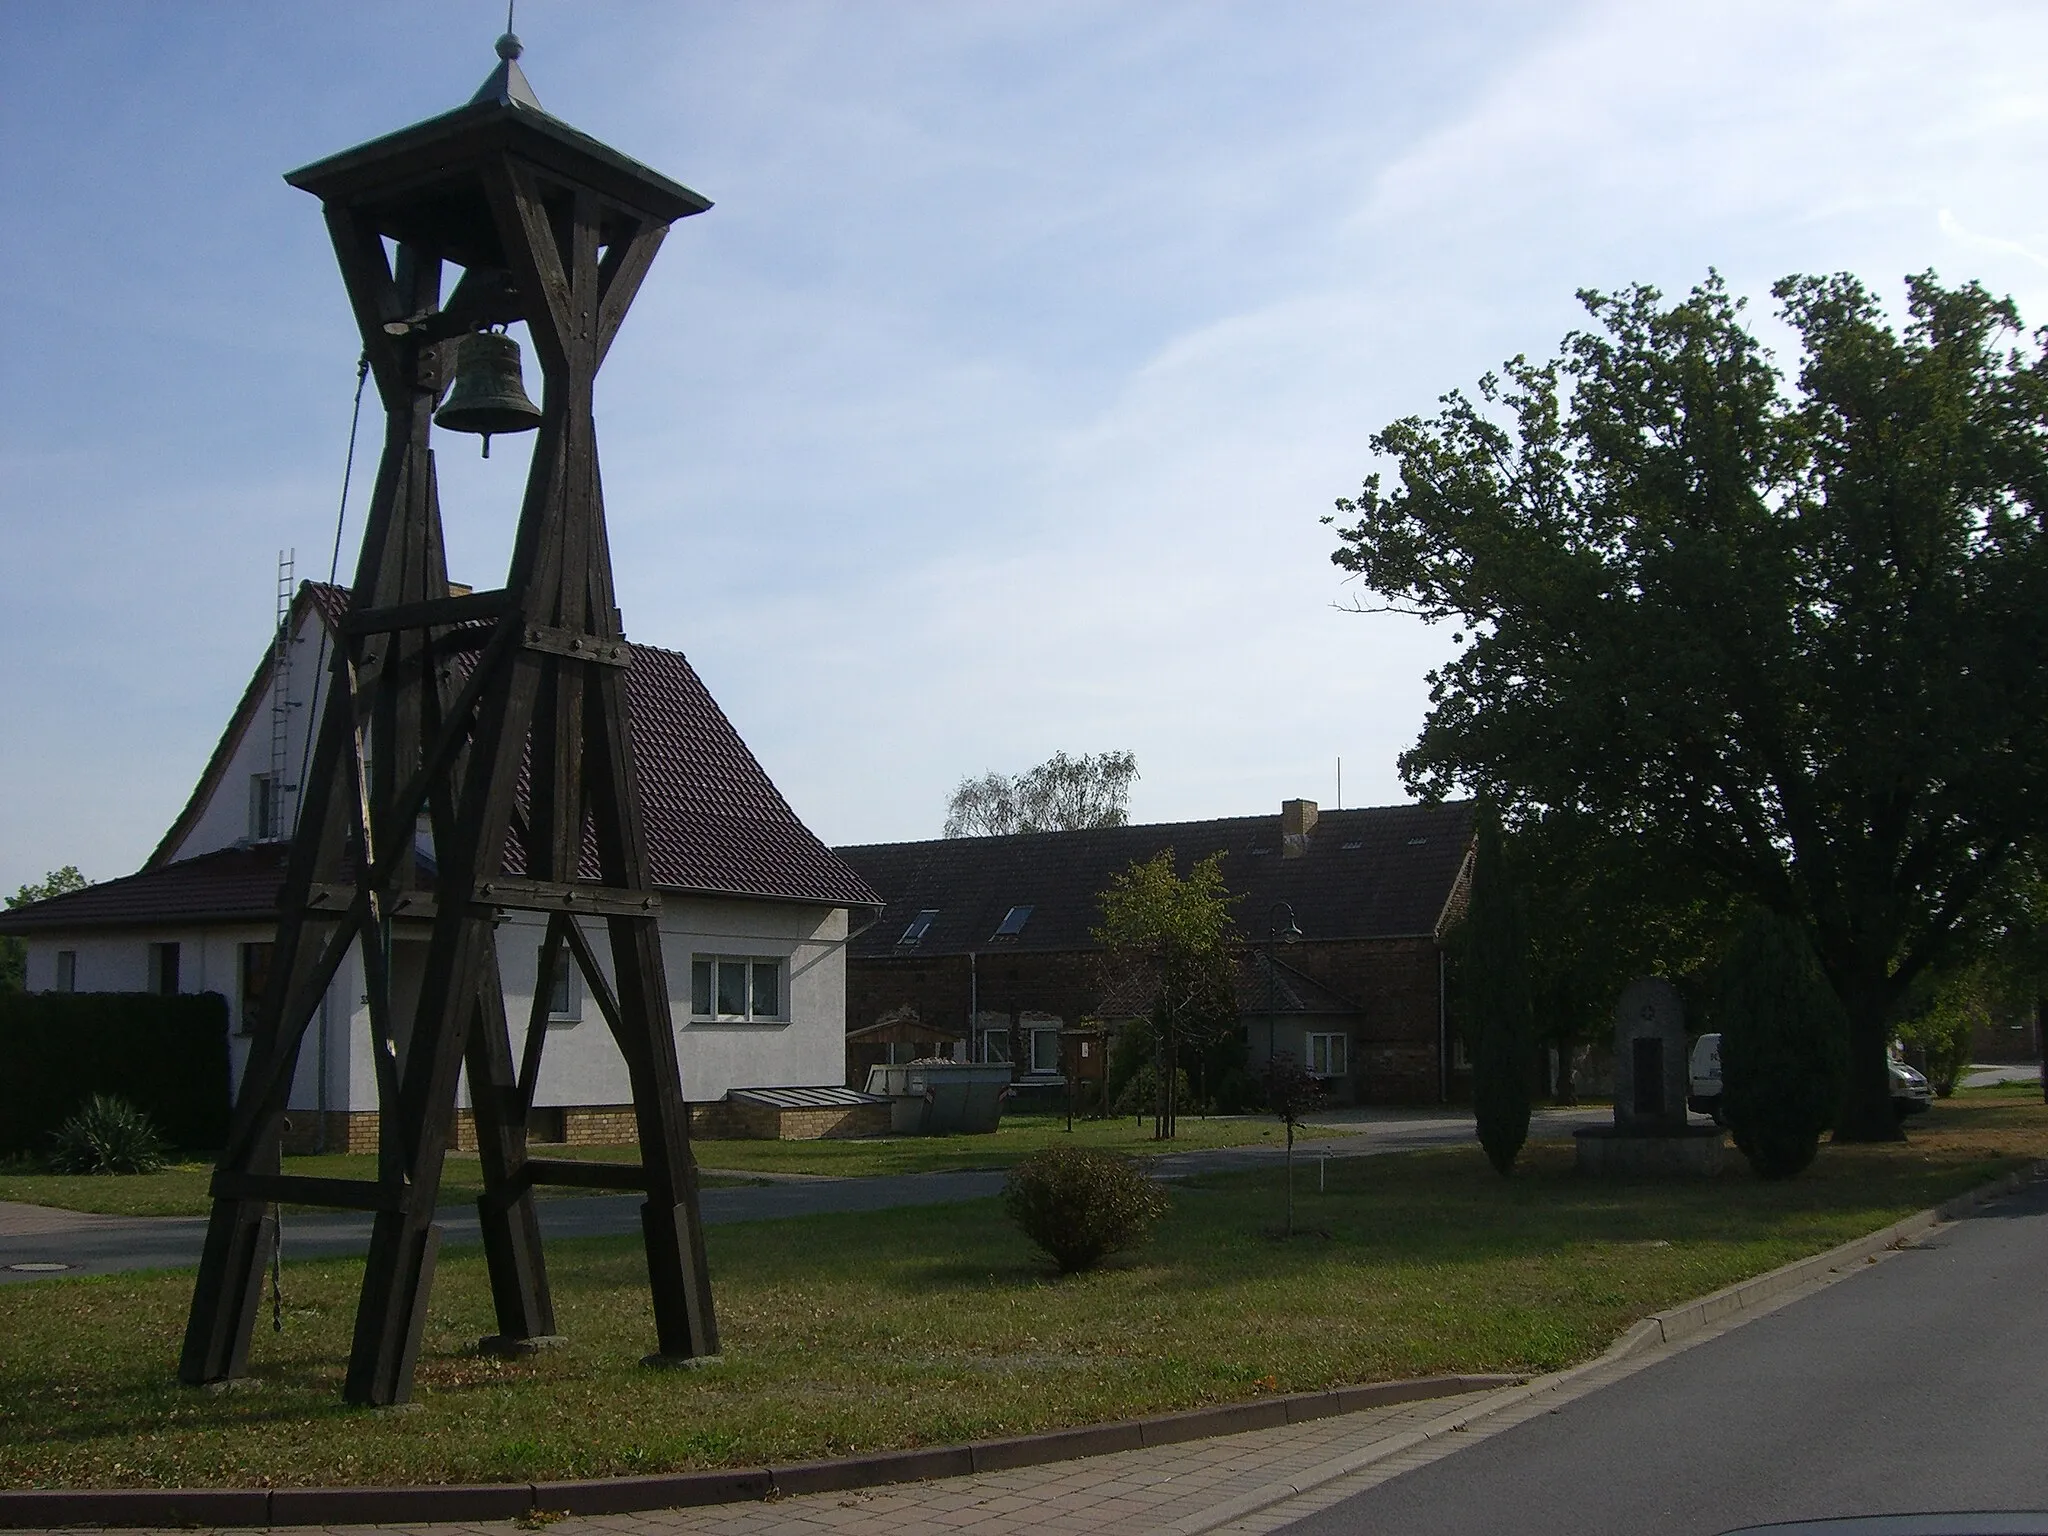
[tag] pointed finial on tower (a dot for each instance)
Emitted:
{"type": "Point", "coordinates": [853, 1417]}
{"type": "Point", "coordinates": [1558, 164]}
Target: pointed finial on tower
{"type": "Point", "coordinates": [507, 85]}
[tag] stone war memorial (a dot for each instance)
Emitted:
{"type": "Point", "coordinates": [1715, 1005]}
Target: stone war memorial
{"type": "Point", "coordinates": [462, 713]}
{"type": "Point", "coordinates": [1651, 1134]}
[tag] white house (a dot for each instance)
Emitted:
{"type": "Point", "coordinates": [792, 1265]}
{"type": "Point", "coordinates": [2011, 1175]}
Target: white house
{"type": "Point", "coordinates": [755, 921]}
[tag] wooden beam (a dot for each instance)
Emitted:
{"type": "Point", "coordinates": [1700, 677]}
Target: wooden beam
{"type": "Point", "coordinates": [625, 268]}
{"type": "Point", "coordinates": [468, 608]}
{"type": "Point", "coordinates": [577, 645]}
{"type": "Point", "coordinates": [300, 1189]}
{"type": "Point", "coordinates": [557, 896]}
{"type": "Point", "coordinates": [574, 1173]}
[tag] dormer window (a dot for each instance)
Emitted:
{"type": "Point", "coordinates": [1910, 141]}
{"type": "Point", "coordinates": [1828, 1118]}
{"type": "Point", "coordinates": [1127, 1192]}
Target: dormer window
{"type": "Point", "coordinates": [1013, 922]}
{"type": "Point", "coordinates": [920, 925]}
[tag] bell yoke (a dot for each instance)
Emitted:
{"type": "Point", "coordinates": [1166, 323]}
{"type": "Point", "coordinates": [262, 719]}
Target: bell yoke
{"type": "Point", "coordinates": [498, 717]}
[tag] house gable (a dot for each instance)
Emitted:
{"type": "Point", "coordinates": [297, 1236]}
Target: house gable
{"type": "Point", "coordinates": [716, 825]}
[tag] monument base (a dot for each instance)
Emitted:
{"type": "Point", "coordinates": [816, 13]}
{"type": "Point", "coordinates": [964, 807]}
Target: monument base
{"type": "Point", "coordinates": [1698, 1151]}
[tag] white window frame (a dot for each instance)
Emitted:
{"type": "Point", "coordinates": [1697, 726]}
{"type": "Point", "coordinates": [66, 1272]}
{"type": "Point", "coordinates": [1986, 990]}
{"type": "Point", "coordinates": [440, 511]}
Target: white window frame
{"type": "Point", "coordinates": [66, 979]}
{"type": "Point", "coordinates": [566, 1006]}
{"type": "Point", "coordinates": [712, 994]}
{"type": "Point", "coordinates": [263, 808]}
{"type": "Point", "coordinates": [1329, 1055]}
{"type": "Point", "coordinates": [989, 1037]}
{"type": "Point", "coordinates": [1036, 1038]}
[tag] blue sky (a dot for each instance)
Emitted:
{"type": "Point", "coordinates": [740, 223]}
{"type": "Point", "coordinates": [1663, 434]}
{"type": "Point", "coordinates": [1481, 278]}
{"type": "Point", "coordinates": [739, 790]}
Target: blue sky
{"type": "Point", "coordinates": [990, 412]}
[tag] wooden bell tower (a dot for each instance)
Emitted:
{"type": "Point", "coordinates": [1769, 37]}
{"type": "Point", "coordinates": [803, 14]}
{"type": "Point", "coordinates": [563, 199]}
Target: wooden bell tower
{"type": "Point", "coordinates": [495, 721]}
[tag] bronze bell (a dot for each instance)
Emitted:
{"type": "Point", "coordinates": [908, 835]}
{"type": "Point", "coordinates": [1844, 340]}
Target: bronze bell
{"type": "Point", "coordinates": [489, 395]}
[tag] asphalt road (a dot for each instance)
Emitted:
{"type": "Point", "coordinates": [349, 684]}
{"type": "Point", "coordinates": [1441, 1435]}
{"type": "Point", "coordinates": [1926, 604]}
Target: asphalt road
{"type": "Point", "coordinates": [1919, 1383]}
{"type": "Point", "coordinates": [78, 1244]}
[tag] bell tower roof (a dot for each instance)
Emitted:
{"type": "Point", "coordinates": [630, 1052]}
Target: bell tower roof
{"type": "Point", "coordinates": [424, 183]}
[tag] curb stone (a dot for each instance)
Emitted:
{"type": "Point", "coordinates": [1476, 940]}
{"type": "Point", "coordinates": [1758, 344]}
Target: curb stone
{"type": "Point", "coordinates": [681, 1490]}
{"type": "Point", "coordinates": [222, 1507]}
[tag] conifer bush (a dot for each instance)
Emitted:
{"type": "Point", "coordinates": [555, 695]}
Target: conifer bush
{"type": "Point", "coordinates": [1784, 1045]}
{"type": "Point", "coordinates": [1500, 1021]}
{"type": "Point", "coordinates": [1081, 1205]}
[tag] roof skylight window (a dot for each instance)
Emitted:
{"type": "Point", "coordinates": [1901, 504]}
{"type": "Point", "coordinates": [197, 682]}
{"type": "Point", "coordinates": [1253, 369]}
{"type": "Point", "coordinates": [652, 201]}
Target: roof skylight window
{"type": "Point", "coordinates": [1013, 922]}
{"type": "Point", "coordinates": [920, 925]}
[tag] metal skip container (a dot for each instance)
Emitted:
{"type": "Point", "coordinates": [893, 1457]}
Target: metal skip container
{"type": "Point", "coordinates": [936, 1097]}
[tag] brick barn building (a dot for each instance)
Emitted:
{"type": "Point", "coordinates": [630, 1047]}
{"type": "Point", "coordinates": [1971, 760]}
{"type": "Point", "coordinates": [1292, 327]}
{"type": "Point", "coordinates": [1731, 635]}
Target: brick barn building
{"type": "Point", "coordinates": [984, 948]}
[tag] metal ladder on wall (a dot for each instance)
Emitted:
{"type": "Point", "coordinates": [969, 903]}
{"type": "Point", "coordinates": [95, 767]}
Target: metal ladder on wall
{"type": "Point", "coordinates": [275, 823]}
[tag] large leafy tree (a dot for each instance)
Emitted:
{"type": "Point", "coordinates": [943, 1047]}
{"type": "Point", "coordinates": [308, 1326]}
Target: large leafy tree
{"type": "Point", "coordinates": [1171, 939]}
{"type": "Point", "coordinates": [1785, 637]}
{"type": "Point", "coordinates": [1060, 795]}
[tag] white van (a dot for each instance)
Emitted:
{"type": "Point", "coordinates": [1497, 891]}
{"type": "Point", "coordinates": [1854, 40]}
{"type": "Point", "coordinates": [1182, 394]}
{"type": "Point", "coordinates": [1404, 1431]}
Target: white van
{"type": "Point", "coordinates": [1910, 1091]}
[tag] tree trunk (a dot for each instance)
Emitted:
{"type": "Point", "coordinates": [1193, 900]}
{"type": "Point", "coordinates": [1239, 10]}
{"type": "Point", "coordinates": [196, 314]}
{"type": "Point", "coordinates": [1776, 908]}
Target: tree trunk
{"type": "Point", "coordinates": [1566, 1090]}
{"type": "Point", "coordinates": [2041, 1041]}
{"type": "Point", "coordinates": [1290, 1178]}
{"type": "Point", "coordinates": [1866, 1113]}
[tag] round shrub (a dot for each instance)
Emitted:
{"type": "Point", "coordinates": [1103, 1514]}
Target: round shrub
{"type": "Point", "coordinates": [107, 1135]}
{"type": "Point", "coordinates": [1081, 1206]}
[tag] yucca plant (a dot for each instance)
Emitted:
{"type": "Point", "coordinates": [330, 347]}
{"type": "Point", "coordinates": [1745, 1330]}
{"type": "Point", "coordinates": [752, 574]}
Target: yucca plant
{"type": "Point", "coordinates": [107, 1135]}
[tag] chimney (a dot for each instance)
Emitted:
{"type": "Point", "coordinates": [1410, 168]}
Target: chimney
{"type": "Point", "coordinates": [1297, 820]}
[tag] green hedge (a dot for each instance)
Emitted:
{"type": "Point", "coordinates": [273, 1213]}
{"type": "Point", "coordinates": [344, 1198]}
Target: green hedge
{"type": "Point", "coordinates": [168, 1056]}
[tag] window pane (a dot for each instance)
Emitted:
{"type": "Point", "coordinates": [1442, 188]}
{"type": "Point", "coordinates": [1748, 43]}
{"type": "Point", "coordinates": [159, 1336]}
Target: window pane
{"type": "Point", "coordinates": [1339, 1051]}
{"type": "Point", "coordinates": [562, 1000]}
{"type": "Point", "coordinates": [732, 989]}
{"type": "Point", "coordinates": [163, 969]}
{"type": "Point", "coordinates": [67, 970]}
{"type": "Point", "coordinates": [1045, 1050]}
{"type": "Point", "coordinates": [255, 977]}
{"type": "Point", "coordinates": [995, 1045]}
{"type": "Point", "coordinates": [700, 988]}
{"type": "Point", "coordinates": [767, 989]}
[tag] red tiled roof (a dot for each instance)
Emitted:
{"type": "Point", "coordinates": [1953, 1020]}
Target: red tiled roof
{"type": "Point", "coordinates": [230, 885]}
{"type": "Point", "coordinates": [716, 824]}
{"type": "Point", "coordinates": [715, 821]}
{"type": "Point", "coordinates": [1386, 872]}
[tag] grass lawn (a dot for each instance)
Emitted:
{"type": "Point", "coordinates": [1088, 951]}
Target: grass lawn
{"type": "Point", "coordinates": [1018, 1136]}
{"type": "Point", "coordinates": [932, 1325]}
{"type": "Point", "coordinates": [181, 1190]}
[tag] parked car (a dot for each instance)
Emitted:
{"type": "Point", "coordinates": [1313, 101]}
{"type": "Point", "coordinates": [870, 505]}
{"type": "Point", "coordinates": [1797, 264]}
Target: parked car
{"type": "Point", "coordinates": [1911, 1092]}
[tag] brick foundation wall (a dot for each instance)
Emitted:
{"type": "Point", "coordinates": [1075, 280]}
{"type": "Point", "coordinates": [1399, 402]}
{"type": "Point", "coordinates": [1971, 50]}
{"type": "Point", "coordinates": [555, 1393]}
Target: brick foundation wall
{"type": "Point", "coordinates": [347, 1131]}
{"type": "Point", "coordinates": [757, 1122]}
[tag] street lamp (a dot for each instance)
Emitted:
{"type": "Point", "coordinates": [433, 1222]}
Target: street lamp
{"type": "Point", "coordinates": [1275, 937]}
